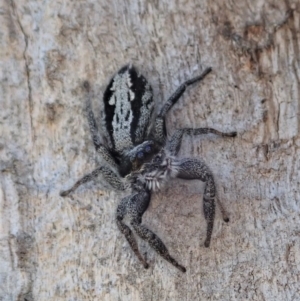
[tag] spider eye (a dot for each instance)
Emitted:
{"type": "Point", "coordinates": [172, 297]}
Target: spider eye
{"type": "Point", "coordinates": [140, 155]}
{"type": "Point", "coordinates": [148, 149]}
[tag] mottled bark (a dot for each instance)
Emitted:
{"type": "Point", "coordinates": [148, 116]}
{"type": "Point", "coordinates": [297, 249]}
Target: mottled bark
{"type": "Point", "coordinates": [54, 248]}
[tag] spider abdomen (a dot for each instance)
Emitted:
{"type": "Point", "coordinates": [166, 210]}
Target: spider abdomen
{"type": "Point", "coordinates": [128, 106]}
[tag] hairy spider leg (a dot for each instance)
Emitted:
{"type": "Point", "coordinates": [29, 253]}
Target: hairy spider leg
{"type": "Point", "coordinates": [192, 169]}
{"type": "Point", "coordinates": [100, 148]}
{"type": "Point", "coordinates": [223, 211]}
{"type": "Point", "coordinates": [175, 141]}
{"type": "Point", "coordinates": [135, 206]}
{"type": "Point", "coordinates": [121, 212]}
{"type": "Point", "coordinates": [160, 131]}
{"type": "Point", "coordinates": [107, 174]}
{"type": "Point", "coordinates": [110, 176]}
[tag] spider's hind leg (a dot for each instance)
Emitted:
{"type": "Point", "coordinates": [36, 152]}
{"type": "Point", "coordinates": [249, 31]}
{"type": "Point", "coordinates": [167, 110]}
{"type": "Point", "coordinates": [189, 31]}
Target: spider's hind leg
{"type": "Point", "coordinates": [100, 148]}
{"type": "Point", "coordinates": [159, 127]}
{"type": "Point", "coordinates": [110, 176]}
{"type": "Point", "coordinates": [180, 90]}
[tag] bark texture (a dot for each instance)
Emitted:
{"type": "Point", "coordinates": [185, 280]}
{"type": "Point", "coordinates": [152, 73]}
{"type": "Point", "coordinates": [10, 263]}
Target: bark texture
{"type": "Point", "coordinates": [54, 248]}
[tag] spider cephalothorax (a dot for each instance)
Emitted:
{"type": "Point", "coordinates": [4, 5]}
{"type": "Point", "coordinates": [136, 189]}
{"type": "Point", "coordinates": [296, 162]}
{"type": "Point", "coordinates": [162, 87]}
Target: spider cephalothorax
{"type": "Point", "coordinates": [139, 156]}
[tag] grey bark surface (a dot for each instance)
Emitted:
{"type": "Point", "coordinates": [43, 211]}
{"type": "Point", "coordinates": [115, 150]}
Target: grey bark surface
{"type": "Point", "coordinates": [54, 248]}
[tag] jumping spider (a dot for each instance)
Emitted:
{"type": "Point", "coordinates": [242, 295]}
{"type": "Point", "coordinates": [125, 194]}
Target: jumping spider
{"type": "Point", "coordinates": [141, 157]}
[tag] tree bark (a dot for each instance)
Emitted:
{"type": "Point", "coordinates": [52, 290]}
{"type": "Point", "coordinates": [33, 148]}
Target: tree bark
{"type": "Point", "coordinates": [54, 248]}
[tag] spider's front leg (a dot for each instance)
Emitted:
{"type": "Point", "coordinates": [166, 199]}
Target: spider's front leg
{"type": "Point", "coordinates": [121, 212]}
{"type": "Point", "coordinates": [135, 206]}
{"type": "Point", "coordinates": [191, 169]}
